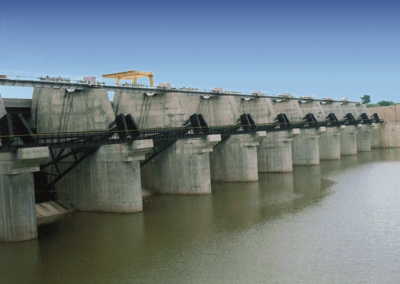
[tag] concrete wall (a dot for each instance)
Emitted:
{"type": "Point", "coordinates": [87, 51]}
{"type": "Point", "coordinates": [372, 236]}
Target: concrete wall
{"type": "Point", "coordinates": [274, 152]}
{"type": "Point", "coordinates": [363, 131]}
{"type": "Point", "coordinates": [313, 107]}
{"type": "Point", "coordinates": [305, 147]}
{"type": "Point", "coordinates": [109, 180]}
{"type": "Point", "coordinates": [366, 132]}
{"type": "Point", "coordinates": [17, 193]}
{"type": "Point", "coordinates": [262, 109]}
{"type": "Point", "coordinates": [389, 133]}
{"type": "Point", "coordinates": [183, 168]}
{"type": "Point", "coordinates": [59, 111]}
{"type": "Point", "coordinates": [350, 108]}
{"type": "Point", "coordinates": [333, 107]}
{"type": "Point", "coordinates": [329, 142]}
{"type": "Point", "coordinates": [163, 111]}
{"type": "Point", "coordinates": [348, 136]}
{"type": "Point", "coordinates": [234, 159]}
{"type": "Point", "coordinates": [2, 107]}
{"type": "Point", "coordinates": [291, 108]}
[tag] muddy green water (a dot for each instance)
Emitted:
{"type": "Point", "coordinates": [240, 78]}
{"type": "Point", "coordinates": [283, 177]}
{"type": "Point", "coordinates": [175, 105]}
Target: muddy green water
{"type": "Point", "coordinates": [334, 223]}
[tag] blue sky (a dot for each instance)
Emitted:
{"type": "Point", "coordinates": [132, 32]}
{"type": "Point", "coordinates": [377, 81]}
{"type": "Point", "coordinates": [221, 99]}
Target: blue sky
{"type": "Point", "coordinates": [320, 48]}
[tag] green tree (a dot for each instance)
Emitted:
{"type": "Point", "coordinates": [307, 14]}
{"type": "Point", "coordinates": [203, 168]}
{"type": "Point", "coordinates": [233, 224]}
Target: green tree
{"type": "Point", "coordinates": [386, 103]}
{"type": "Point", "coordinates": [366, 99]}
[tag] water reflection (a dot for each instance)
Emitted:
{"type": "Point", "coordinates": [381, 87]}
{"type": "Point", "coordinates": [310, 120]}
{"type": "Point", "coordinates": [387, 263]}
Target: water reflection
{"type": "Point", "coordinates": [235, 206]}
{"type": "Point", "coordinates": [318, 224]}
{"type": "Point", "coordinates": [169, 219]}
{"type": "Point", "coordinates": [88, 245]}
{"type": "Point", "coordinates": [19, 261]}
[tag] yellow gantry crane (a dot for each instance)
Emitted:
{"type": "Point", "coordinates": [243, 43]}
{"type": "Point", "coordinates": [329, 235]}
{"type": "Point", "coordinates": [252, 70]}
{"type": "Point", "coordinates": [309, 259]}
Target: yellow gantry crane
{"type": "Point", "coordinates": [130, 75]}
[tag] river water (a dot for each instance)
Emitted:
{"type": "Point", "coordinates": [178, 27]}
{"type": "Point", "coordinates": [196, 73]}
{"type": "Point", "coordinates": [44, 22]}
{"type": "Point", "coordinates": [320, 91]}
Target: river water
{"type": "Point", "coordinates": [334, 223]}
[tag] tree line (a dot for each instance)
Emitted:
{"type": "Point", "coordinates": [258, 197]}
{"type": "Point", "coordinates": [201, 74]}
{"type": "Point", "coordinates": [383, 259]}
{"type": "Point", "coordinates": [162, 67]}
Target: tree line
{"type": "Point", "coordinates": [366, 99]}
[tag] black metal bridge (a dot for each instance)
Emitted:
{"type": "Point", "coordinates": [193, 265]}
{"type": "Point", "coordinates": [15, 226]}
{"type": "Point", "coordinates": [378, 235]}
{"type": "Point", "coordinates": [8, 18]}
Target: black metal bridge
{"type": "Point", "coordinates": [73, 147]}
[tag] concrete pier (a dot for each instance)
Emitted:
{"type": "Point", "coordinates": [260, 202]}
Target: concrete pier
{"type": "Point", "coordinates": [306, 145]}
{"type": "Point", "coordinates": [348, 137]}
{"type": "Point", "coordinates": [363, 131]}
{"type": "Point", "coordinates": [375, 137]}
{"type": "Point", "coordinates": [2, 107]}
{"type": "Point", "coordinates": [368, 135]}
{"type": "Point", "coordinates": [348, 141]}
{"type": "Point", "coordinates": [108, 180]}
{"type": "Point", "coordinates": [389, 132]}
{"type": "Point", "coordinates": [274, 152]}
{"type": "Point", "coordinates": [17, 193]}
{"type": "Point", "coordinates": [329, 142]}
{"type": "Point", "coordinates": [184, 167]}
{"type": "Point", "coordinates": [234, 159]}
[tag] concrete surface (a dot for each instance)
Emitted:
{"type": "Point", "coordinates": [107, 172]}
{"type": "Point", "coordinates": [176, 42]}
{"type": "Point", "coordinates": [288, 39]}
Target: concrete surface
{"type": "Point", "coordinates": [49, 209]}
{"type": "Point", "coordinates": [305, 147]}
{"type": "Point", "coordinates": [2, 107]}
{"type": "Point", "coordinates": [235, 159]}
{"type": "Point", "coordinates": [17, 194]}
{"type": "Point", "coordinates": [363, 136]}
{"type": "Point", "coordinates": [107, 181]}
{"type": "Point", "coordinates": [388, 133]}
{"type": "Point", "coordinates": [329, 142]}
{"type": "Point", "coordinates": [274, 152]}
{"type": "Point", "coordinates": [348, 137]}
{"type": "Point", "coordinates": [183, 168]}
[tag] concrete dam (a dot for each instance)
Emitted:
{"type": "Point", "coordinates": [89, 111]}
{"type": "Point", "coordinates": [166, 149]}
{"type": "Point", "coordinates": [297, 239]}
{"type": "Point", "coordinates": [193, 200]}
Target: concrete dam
{"type": "Point", "coordinates": [71, 143]}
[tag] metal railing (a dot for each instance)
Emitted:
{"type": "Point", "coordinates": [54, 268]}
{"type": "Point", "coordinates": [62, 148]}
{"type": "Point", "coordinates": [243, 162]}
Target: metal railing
{"type": "Point", "coordinates": [82, 85]}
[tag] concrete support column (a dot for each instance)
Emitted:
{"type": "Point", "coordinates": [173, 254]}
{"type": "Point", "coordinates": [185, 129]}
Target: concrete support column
{"type": "Point", "coordinates": [376, 136]}
{"type": "Point", "coordinates": [183, 168]}
{"type": "Point", "coordinates": [329, 143]}
{"type": "Point", "coordinates": [306, 147]}
{"type": "Point", "coordinates": [389, 135]}
{"type": "Point", "coordinates": [107, 181]}
{"type": "Point", "coordinates": [17, 193]}
{"type": "Point", "coordinates": [274, 154]}
{"type": "Point", "coordinates": [364, 138]}
{"type": "Point", "coordinates": [235, 159]}
{"type": "Point", "coordinates": [348, 141]}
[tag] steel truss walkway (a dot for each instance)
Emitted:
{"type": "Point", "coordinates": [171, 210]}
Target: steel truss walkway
{"type": "Point", "coordinates": [15, 132]}
{"type": "Point", "coordinates": [72, 148]}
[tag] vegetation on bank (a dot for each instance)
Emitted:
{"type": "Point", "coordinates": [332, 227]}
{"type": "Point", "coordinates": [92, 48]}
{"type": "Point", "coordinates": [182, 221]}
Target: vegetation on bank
{"type": "Point", "coordinates": [366, 99]}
